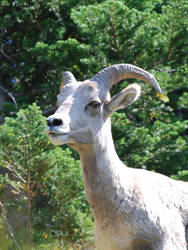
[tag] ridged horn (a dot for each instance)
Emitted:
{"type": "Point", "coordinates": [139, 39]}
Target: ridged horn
{"type": "Point", "coordinates": [115, 73]}
{"type": "Point", "coordinates": [67, 77]}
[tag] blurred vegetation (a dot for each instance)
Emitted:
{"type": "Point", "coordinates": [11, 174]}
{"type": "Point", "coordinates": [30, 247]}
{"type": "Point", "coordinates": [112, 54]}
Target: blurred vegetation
{"type": "Point", "coordinates": [39, 40]}
{"type": "Point", "coordinates": [49, 179]}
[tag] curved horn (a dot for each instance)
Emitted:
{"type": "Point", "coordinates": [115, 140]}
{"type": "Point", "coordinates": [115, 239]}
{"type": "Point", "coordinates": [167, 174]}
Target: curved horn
{"type": "Point", "coordinates": [113, 74]}
{"type": "Point", "coordinates": [67, 77]}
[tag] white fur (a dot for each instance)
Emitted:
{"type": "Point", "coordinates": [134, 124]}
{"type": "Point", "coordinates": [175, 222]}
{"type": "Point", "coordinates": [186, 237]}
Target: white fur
{"type": "Point", "coordinates": [133, 209]}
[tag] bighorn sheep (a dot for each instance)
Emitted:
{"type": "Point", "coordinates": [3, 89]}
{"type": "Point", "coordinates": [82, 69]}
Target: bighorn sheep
{"type": "Point", "coordinates": [133, 209]}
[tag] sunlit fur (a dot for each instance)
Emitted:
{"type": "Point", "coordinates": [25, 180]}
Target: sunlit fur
{"type": "Point", "coordinates": [133, 209]}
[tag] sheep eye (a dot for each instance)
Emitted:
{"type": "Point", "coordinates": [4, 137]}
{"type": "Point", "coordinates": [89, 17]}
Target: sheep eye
{"type": "Point", "coordinates": [94, 104]}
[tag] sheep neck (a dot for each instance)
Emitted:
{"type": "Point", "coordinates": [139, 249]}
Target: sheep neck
{"type": "Point", "coordinates": [100, 172]}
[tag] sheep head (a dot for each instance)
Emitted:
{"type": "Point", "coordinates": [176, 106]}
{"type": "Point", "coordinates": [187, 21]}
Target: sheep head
{"type": "Point", "coordinates": [84, 107]}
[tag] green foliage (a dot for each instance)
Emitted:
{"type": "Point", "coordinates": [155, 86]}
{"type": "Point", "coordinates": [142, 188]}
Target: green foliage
{"type": "Point", "coordinates": [3, 238]}
{"type": "Point", "coordinates": [39, 40]}
{"type": "Point", "coordinates": [162, 148]}
{"type": "Point", "coordinates": [127, 34]}
{"type": "Point", "coordinates": [49, 178]}
{"type": "Point", "coordinates": [65, 213]}
{"type": "Point", "coordinates": [181, 175]}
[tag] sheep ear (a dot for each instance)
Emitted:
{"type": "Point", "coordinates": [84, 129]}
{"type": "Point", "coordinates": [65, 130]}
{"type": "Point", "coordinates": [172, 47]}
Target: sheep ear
{"type": "Point", "coordinates": [123, 99]}
{"type": "Point", "coordinates": [62, 85]}
{"type": "Point", "coordinates": [67, 77]}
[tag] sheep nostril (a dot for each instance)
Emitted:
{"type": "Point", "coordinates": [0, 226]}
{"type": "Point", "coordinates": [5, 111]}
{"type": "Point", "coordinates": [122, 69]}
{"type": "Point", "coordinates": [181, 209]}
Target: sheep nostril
{"type": "Point", "coordinates": [57, 122]}
{"type": "Point", "coordinates": [48, 122]}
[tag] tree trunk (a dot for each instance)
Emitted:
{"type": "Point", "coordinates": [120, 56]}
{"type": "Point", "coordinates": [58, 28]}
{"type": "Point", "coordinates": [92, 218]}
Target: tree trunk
{"type": "Point", "coordinates": [2, 101]}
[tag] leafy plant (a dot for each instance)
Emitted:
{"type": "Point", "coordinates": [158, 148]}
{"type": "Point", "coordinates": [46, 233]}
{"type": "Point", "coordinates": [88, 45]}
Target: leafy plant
{"type": "Point", "coordinates": [46, 181]}
{"type": "Point", "coordinates": [162, 147]}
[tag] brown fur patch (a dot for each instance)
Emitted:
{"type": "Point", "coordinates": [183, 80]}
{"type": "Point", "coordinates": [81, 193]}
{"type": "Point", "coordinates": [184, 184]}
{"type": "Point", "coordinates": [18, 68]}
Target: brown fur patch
{"type": "Point", "coordinates": [140, 244]}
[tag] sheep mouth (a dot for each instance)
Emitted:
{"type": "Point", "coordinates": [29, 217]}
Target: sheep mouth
{"type": "Point", "coordinates": [53, 133]}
